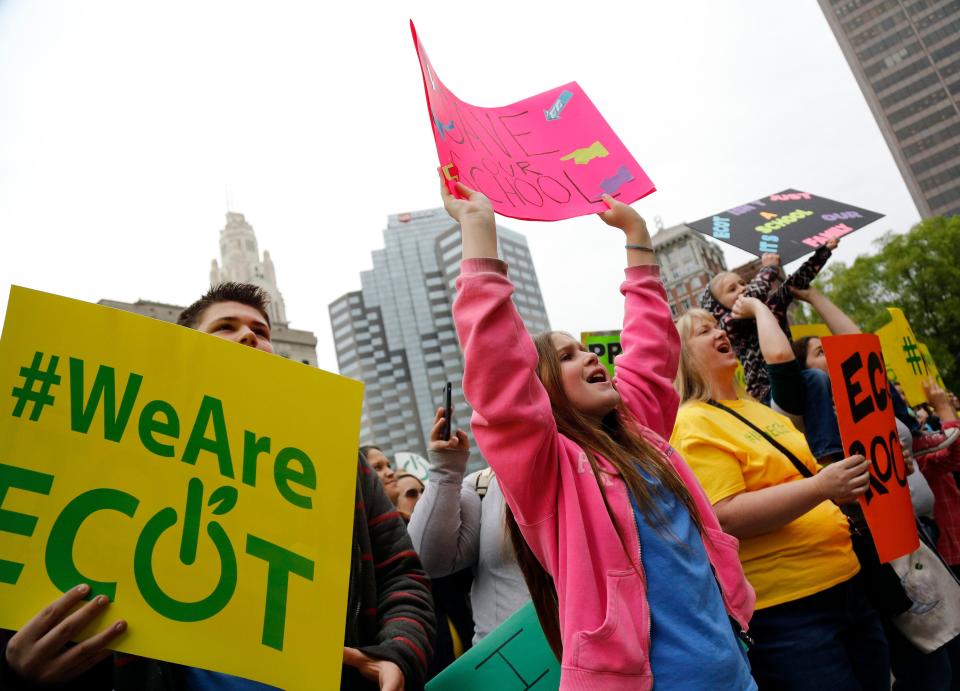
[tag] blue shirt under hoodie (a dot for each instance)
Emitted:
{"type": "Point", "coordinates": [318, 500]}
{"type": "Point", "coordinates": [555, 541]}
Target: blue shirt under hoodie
{"type": "Point", "coordinates": [692, 645]}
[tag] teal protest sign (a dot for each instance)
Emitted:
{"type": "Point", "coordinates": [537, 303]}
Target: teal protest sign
{"type": "Point", "coordinates": [515, 656]}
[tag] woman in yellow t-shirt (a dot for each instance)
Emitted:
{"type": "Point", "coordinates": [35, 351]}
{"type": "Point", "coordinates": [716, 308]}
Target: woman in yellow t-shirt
{"type": "Point", "coordinates": [813, 628]}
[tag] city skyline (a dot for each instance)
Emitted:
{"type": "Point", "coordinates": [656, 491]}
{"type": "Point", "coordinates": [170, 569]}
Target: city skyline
{"type": "Point", "coordinates": [396, 334]}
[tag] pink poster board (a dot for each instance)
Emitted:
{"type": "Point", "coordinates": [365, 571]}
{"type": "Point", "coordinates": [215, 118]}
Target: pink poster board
{"type": "Point", "coordinates": [545, 158]}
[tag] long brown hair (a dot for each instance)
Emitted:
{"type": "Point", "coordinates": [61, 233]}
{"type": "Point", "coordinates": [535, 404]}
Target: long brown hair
{"type": "Point", "coordinates": [618, 439]}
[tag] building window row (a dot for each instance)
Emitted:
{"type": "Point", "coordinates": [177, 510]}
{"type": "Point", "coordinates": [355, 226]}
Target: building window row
{"type": "Point", "coordinates": [944, 198]}
{"type": "Point", "coordinates": [895, 78]}
{"type": "Point", "coordinates": [922, 6]}
{"type": "Point", "coordinates": [947, 51]}
{"type": "Point", "coordinates": [875, 30]}
{"type": "Point", "coordinates": [939, 14]}
{"type": "Point", "coordinates": [926, 123]}
{"type": "Point", "coordinates": [939, 158]}
{"type": "Point", "coordinates": [843, 8]}
{"type": "Point", "coordinates": [932, 140]}
{"type": "Point", "coordinates": [917, 106]}
{"type": "Point", "coordinates": [940, 179]}
{"type": "Point", "coordinates": [909, 90]}
{"type": "Point", "coordinates": [943, 32]}
{"type": "Point", "coordinates": [886, 44]}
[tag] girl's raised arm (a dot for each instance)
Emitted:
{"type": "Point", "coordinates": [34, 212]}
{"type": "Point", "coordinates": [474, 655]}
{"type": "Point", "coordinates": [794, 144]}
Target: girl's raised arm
{"type": "Point", "coordinates": [512, 420]}
{"type": "Point", "coordinates": [645, 370]}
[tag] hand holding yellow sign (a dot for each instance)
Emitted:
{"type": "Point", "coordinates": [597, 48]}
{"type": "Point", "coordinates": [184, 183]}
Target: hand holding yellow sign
{"type": "Point", "coordinates": [908, 361]}
{"type": "Point", "coordinates": [176, 474]}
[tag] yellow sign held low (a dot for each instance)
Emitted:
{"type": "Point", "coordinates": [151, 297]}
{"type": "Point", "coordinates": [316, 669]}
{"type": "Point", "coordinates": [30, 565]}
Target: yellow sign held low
{"type": "Point", "coordinates": [207, 488]}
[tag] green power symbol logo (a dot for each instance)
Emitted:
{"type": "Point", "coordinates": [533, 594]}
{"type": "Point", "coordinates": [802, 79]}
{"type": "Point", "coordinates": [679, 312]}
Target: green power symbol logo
{"type": "Point", "coordinates": [37, 382]}
{"type": "Point", "coordinates": [913, 357]}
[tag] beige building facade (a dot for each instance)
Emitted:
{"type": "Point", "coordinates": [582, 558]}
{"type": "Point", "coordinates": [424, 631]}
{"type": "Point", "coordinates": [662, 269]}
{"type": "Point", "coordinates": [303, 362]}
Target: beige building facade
{"type": "Point", "coordinates": [240, 261]}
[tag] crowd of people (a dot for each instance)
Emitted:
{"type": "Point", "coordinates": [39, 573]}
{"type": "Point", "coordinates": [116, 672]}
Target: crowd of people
{"type": "Point", "coordinates": [673, 529]}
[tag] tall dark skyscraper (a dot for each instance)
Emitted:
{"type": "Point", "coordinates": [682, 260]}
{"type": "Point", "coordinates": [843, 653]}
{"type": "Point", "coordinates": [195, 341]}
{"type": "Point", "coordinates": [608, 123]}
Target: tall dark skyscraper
{"type": "Point", "coordinates": [396, 334]}
{"type": "Point", "coordinates": [905, 55]}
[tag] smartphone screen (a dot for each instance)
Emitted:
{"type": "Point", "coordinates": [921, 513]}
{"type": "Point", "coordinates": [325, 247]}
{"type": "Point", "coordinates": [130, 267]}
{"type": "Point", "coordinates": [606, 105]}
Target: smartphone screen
{"type": "Point", "coordinates": [447, 410]}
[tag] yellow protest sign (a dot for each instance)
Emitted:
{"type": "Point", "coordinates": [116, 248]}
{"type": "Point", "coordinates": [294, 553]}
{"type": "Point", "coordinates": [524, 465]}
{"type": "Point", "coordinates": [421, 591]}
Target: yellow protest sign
{"type": "Point", "coordinates": [206, 487]}
{"type": "Point", "coordinates": [905, 362]}
{"type": "Point", "coordinates": [931, 365]}
{"type": "Point", "coordinates": [798, 331]}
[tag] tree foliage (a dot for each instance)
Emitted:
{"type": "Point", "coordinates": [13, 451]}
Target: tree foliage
{"type": "Point", "coordinates": [917, 271]}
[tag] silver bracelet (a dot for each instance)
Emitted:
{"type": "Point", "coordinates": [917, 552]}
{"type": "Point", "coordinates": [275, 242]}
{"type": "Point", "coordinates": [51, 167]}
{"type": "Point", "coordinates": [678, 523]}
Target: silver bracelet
{"type": "Point", "coordinates": [642, 248]}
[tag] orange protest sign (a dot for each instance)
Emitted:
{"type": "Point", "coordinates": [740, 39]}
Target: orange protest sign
{"type": "Point", "coordinates": [867, 427]}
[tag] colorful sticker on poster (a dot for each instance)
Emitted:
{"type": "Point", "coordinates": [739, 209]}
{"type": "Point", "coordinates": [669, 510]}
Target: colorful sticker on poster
{"type": "Point", "coordinates": [515, 655]}
{"type": "Point", "coordinates": [789, 223]}
{"type": "Point", "coordinates": [545, 158]}
{"type": "Point", "coordinates": [207, 488]}
{"type": "Point", "coordinates": [604, 344]}
{"type": "Point", "coordinates": [867, 427]}
{"type": "Point", "coordinates": [906, 364]}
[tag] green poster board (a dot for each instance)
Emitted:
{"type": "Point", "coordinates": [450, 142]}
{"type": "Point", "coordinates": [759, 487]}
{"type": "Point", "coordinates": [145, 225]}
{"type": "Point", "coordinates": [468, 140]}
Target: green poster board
{"type": "Point", "coordinates": [515, 656]}
{"type": "Point", "coordinates": [606, 345]}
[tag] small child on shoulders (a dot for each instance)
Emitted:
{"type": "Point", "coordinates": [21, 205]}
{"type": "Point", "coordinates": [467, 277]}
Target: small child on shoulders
{"type": "Point", "coordinates": [726, 287]}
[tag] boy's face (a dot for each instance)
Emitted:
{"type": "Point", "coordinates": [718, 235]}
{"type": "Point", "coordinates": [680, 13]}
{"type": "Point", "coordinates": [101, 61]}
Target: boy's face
{"type": "Point", "coordinates": [381, 466]}
{"type": "Point", "coordinates": [234, 321]}
{"type": "Point", "coordinates": [731, 287]}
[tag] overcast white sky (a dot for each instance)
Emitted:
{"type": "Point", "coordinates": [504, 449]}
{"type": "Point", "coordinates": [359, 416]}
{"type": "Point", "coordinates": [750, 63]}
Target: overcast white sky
{"type": "Point", "coordinates": [122, 124]}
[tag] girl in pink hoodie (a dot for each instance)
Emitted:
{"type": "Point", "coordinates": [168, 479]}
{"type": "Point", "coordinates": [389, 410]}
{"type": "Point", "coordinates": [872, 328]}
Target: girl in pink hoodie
{"type": "Point", "coordinates": [632, 577]}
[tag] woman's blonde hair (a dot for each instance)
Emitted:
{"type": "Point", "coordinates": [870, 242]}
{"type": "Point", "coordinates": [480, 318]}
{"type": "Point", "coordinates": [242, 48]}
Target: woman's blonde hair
{"type": "Point", "coordinates": [691, 382]}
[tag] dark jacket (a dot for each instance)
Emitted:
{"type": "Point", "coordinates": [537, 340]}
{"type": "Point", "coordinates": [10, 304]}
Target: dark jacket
{"type": "Point", "coordinates": [743, 332]}
{"type": "Point", "coordinates": [389, 609]}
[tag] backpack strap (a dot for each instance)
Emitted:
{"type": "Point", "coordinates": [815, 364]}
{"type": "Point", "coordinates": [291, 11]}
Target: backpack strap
{"type": "Point", "coordinates": [482, 481]}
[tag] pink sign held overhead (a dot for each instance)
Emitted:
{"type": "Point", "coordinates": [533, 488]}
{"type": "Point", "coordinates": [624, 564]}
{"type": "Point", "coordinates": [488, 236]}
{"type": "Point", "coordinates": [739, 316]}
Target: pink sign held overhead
{"type": "Point", "coordinates": [546, 158]}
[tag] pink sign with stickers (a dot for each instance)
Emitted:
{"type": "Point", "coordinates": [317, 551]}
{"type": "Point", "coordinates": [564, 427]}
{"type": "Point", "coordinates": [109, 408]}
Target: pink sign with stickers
{"type": "Point", "coordinates": [545, 158]}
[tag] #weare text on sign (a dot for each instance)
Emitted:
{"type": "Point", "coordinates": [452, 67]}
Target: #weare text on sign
{"type": "Point", "coordinates": [207, 488]}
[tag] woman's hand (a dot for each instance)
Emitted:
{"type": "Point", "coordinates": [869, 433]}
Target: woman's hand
{"type": "Point", "coordinates": [473, 204]}
{"type": "Point", "coordinates": [746, 307]}
{"type": "Point", "coordinates": [939, 400]}
{"type": "Point", "coordinates": [844, 481]}
{"type": "Point", "coordinates": [769, 259]}
{"type": "Point", "coordinates": [832, 244]}
{"type": "Point", "coordinates": [38, 653]}
{"type": "Point", "coordinates": [626, 218]}
{"type": "Point", "coordinates": [478, 226]}
{"type": "Point", "coordinates": [456, 442]}
{"type": "Point", "coordinates": [387, 675]}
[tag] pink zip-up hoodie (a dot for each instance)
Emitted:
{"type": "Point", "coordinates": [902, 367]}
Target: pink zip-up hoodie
{"type": "Point", "coordinates": [548, 484]}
